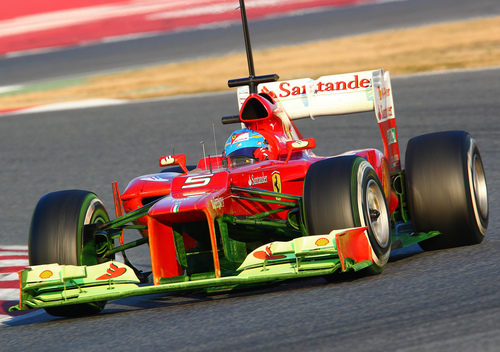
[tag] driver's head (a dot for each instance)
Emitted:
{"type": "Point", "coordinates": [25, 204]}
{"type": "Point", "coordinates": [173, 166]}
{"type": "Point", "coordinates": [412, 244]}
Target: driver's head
{"type": "Point", "coordinates": [245, 147]}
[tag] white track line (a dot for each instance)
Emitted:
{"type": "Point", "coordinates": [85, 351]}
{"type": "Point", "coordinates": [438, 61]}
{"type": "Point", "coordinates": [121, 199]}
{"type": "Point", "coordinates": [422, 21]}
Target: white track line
{"type": "Point", "coordinates": [9, 276]}
{"type": "Point", "coordinates": [4, 263]}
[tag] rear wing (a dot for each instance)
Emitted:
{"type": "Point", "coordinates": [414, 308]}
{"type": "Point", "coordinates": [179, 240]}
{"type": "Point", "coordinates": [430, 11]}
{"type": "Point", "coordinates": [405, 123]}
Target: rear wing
{"type": "Point", "coordinates": [337, 95]}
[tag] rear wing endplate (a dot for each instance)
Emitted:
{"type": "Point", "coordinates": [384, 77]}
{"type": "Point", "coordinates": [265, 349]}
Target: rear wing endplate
{"type": "Point", "coordinates": [337, 95]}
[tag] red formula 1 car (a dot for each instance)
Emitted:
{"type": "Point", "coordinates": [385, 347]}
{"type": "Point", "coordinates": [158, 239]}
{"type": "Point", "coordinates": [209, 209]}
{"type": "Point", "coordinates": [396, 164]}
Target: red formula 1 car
{"type": "Point", "coordinates": [267, 209]}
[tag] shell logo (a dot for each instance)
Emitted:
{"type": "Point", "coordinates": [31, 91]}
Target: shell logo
{"type": "Point", "coordinates": [321, 242]}
{"type": "Point", "coordinates": [46, 274]}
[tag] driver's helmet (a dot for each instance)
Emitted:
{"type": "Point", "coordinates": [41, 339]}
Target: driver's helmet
{"type": "Point", "coordinates": [245, 147]}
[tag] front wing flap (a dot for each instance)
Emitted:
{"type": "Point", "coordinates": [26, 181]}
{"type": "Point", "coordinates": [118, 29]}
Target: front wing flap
{"type": "Point", "coordinates": [52, 285]}
{"type": "Point", "coordinates": [346, 246]}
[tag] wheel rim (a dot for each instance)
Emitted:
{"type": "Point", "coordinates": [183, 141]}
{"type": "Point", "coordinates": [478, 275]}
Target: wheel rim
{"type": "Point", "coordinates": [377, 214]}
{"type": "Point", "coordinates": [92, 253]}
{"type": "Point", "coordinates": [479, 187]}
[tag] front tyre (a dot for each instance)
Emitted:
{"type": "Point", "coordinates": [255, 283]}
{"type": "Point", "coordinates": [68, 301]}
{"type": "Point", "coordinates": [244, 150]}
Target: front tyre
{"type": "Point", "coordinates": [57, 236]}
{"type": "Point", "coordinates": [446, 188]}
{"type": "Point", "coordinates": [345, 192]}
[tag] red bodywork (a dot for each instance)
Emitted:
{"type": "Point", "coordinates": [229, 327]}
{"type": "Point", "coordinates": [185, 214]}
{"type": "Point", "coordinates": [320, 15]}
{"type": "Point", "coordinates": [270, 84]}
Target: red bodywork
{"type": "Point", "coordinates": [204, 194]}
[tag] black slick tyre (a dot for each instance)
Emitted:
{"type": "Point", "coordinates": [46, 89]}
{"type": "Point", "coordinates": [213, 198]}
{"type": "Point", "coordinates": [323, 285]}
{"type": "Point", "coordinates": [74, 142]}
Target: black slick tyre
{"type": "Point", "coordinates": [344, 192]}
{"type": "Point", "coordinates": [57, 236]}
{"type": "Point", "coordinates": [446, 189]}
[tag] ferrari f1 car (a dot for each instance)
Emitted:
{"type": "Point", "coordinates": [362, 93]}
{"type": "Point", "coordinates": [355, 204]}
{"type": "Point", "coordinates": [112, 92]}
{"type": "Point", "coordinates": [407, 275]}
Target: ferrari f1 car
{"type": "Point", "coordinates": [265, 210]}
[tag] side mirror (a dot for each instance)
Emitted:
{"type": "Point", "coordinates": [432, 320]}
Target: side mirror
{"type": "Point", "coordinates": [297, 145]}
{"type": "Point", "coordinates": [178, 159]}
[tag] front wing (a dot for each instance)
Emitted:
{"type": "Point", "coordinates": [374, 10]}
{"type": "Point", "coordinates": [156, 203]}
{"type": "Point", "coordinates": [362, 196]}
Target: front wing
{"type": "Point", "coordinates": [52, 285]}
{"type": "Point", "coordinates": [44, 286]}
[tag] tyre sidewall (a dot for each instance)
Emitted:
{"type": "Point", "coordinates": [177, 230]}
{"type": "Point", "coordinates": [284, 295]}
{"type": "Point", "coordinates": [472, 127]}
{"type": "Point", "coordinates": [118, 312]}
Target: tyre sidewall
{"type": "Point", "coordinates": [478, 218]}
{"type": "Point", "coordinates": [92, 211]}
{"type": "Point", "coordinates": [365, 175]}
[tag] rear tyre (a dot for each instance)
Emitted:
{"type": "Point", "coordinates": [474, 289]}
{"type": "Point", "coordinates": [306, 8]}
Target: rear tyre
{"type": "Point", "coordinates": [344, 192]}
{"type": "Point", "coordinates": [57, 236]}
{"type": "Point", "coordinates": [446, 189]}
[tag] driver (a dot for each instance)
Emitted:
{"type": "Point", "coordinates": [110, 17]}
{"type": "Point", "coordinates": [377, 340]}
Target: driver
{"type": "Point", "coordinates": [245, 147]}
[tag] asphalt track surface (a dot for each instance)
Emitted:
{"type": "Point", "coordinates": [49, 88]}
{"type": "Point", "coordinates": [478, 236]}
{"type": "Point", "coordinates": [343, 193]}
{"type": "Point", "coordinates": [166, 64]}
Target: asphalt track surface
{"type": "Point", "coordinates": [434, 301]}
{"type": "Point", "coordinates": [169, 47]}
